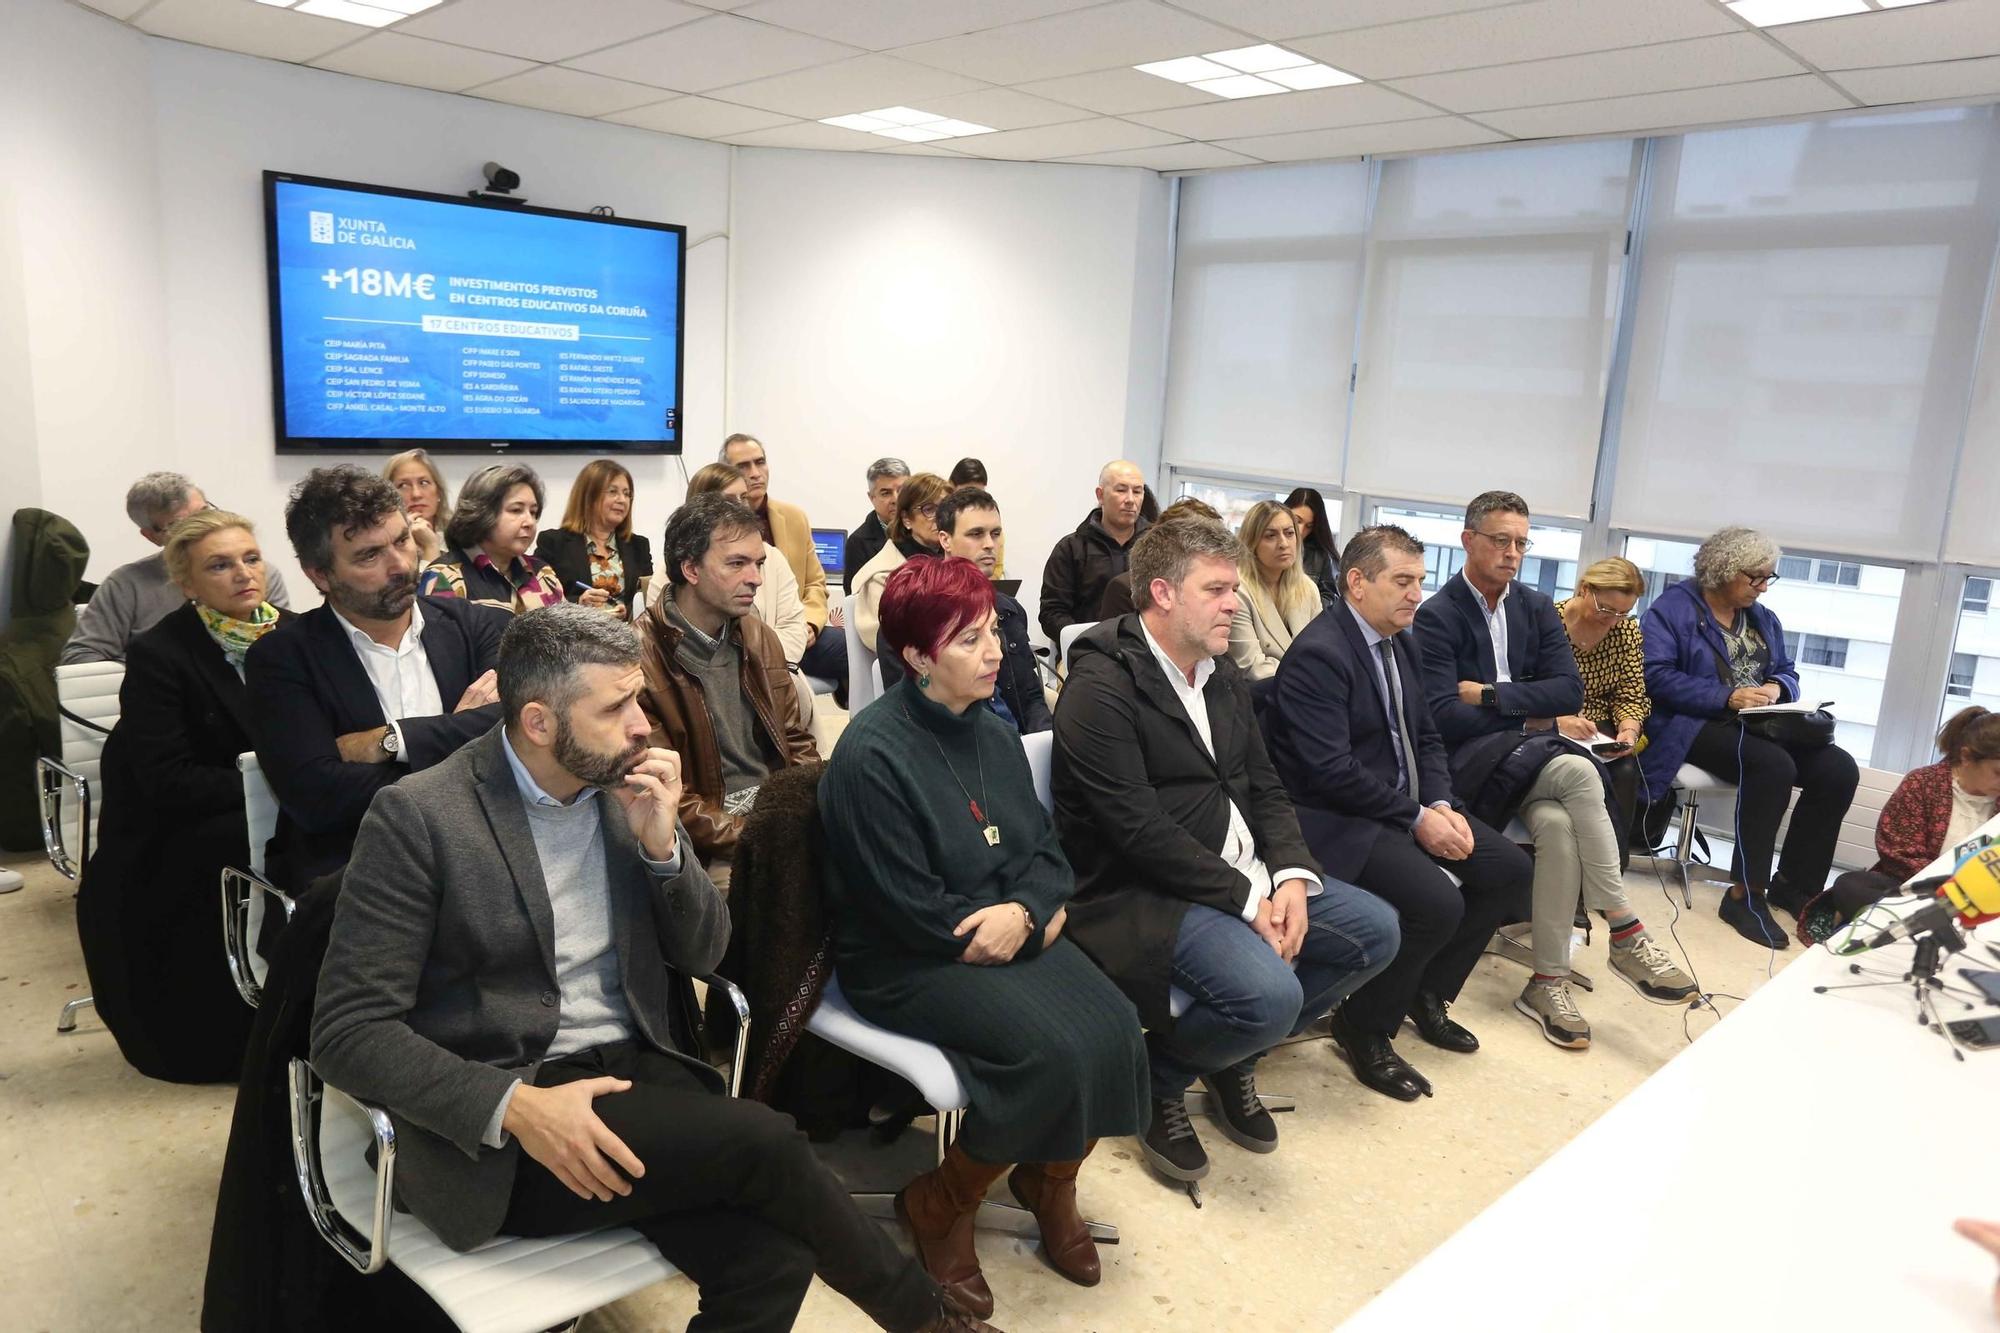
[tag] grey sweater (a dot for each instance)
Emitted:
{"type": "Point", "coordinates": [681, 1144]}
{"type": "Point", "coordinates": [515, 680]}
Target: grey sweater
{"type": "Point", "coordinates": [132, 599]}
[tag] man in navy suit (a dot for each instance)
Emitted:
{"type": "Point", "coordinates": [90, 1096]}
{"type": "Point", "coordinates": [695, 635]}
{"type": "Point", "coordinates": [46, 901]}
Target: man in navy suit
{"type": "Point", "coordinates": [1497, 666]}
{"type": "Point", "coordinates": [1357, 750]}
{"type": "Point", "coordinates": [349, 697]}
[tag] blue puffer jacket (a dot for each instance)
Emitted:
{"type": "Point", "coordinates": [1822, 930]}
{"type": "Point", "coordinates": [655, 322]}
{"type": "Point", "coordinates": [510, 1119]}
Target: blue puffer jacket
{"type": "Point", "coordinates": [1688, 677]}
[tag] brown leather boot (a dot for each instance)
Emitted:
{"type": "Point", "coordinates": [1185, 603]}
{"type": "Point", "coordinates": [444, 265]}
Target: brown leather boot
{"type": "Point", "coordinates": [939, 1207]}
{"type": "Point", "coordinates": [1048, 1190]}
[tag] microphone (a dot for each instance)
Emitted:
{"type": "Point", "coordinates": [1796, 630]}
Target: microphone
{"type": "Point", "coordinates": [1970, 894]}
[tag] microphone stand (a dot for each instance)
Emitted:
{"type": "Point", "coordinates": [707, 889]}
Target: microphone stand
{"type": "Point", "coordinates": [1924, 978]}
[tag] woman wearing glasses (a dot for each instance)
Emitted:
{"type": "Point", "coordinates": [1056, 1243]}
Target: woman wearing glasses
{"type": "Point", "coordinates": [1712, 650]}
{"type": "Point", "coordinates": [1610, 654]}
{"type": "Point", "coordinates": [913, 531]}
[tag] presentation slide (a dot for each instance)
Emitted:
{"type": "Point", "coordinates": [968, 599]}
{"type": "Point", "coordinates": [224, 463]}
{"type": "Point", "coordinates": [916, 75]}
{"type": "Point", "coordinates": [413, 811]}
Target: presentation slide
{"type": "Point", "coordinates": [402, 319]}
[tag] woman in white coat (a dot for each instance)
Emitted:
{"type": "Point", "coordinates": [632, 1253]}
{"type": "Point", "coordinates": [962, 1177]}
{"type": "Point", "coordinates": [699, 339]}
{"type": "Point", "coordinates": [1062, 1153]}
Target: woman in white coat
{"type": "Point", "coordinates": [1276, 600]}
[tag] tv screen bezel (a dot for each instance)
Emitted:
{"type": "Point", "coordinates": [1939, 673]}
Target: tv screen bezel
{"type": "Point", "coordinates": [287, 443]}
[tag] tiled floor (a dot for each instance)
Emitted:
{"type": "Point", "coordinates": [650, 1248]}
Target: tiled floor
{"type": "Point", "coordinates": [107, 1180]}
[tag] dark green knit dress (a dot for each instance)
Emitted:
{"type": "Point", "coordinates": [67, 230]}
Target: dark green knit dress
{"type": "Point", "coordinates": [1048, 1049]}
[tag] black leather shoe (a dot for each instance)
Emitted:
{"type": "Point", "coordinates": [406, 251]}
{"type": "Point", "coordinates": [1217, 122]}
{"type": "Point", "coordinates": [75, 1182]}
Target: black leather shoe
{"type": "Point", "coordinates": [1376, 1063]}
{"type": "Point", "coordinates": [1435, 1026]}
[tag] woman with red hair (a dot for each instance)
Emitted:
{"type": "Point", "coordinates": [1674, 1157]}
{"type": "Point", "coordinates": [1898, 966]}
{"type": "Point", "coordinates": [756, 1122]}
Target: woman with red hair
{"type": "Point", "coordinates": [947, 891]}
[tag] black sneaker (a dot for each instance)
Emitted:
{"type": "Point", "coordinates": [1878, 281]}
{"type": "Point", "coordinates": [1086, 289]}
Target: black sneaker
{"type": "Point", "coordinates": [1169, 1143]}
{"type": "Point", "coordinates": [1753, 921]}
{"type": "Point", "coordinates": [1233, 1104]}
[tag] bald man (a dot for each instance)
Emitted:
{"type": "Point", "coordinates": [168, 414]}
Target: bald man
{"type": "Point", "coordinates": [1086, 561]}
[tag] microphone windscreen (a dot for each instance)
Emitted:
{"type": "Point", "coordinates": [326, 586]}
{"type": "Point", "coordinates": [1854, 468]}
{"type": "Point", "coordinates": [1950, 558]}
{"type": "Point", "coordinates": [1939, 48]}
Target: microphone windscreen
{"type": "Point", "coordinates": [1974, 888]}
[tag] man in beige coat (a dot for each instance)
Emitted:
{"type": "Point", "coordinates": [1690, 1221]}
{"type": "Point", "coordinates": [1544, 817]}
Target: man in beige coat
{"type": "Point", "coordinates": [787, 528]}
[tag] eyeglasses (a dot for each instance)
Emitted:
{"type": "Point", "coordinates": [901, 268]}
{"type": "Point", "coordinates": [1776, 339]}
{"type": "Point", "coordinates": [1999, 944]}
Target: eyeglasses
{"type": "Point", "coordinates": [1503, 543]}
{"type": "Point", "coordinates": [1760, 580]}
{"type": "Point", "coordinates": [925, 511]}
{"type": "Point", "coordinates": [1609, 613]}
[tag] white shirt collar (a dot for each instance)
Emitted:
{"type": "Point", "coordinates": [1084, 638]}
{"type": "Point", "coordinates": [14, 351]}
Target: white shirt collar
{"type": "Point", "coordinates": [1479, 596]}
{"type": "Point", "coordinates": [361, 640]}
{"type": "Point", "coordinates": [1369, 634]}
{"type": "Point", "coordinates": [1202, 671]}
{"type": "Point", "coordinates": [531, 790]}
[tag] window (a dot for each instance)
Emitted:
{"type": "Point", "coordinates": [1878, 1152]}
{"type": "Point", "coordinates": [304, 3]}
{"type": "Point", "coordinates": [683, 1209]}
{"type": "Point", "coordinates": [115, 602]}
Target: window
{"type": "Point", "coordinates": [1964, 670]}
{"type": "Point", "coordinates": [1794, 567]}
{"type": "Point", "coordinates": [1817, 649]}
{"type": "Point", "coordinates": [1978, 596]}
{"type": "Point", "coordinates": [1232, 499]}
{"type": "Point", "coordinates": [1551, 569]}
{"type": "Point", "coordinates": [1837, 572]}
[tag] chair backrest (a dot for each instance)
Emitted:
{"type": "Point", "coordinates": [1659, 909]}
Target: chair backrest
{"type": "Point", "coordinates": [90, 690]}
{"type": "Point", "coordinates": [1069, 636]}
{"type": "Point", "coordinates": [1041, 748]}
{"type": "Point", "coordinates": [864, 673]}
{"type": "Point", "coordinates": [1856, 848]}
{"type": "Point", "coordinates": [260, 808]}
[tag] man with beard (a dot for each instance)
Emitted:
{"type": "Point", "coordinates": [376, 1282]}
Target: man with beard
{"type": "Point", "coordinates": [716, 688]}
{"type": "Point", "coordinates": [349, 697]}
{"type": "Point", "coordinates": [507, 972]}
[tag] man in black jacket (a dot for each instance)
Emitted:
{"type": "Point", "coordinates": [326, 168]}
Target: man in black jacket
{"type": "Point", "coordinates": [347, 698]}
{"type": "Point", "coordinates": [1098, 551]}
{"type": "Point", "coordinates": [1195, 891]}
{"type": "Point", "coordinates": [1498, 666]}
{"type": "Point", "coordinates": [968, 523]}
{"type": "Point", "coordinates": [885, 482]}
{"type": "Point", "coordinates": [1362, 759]}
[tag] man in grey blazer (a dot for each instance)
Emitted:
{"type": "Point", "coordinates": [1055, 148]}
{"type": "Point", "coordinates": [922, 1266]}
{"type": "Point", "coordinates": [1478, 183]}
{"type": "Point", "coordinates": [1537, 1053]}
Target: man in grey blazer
{"type": "Point", "coordinates": [507, 974]}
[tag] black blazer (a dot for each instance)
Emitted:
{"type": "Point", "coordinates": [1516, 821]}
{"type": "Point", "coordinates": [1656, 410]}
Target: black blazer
{"type": "Point", "coordinates": [307, 688]}
{"type": "Point", "coordinates": [1328, 728]}
{"type": "Point", "coordinates": [568, 553]}
{"type": "Point", "coordinates": [1451, 630]}
{"type": "Point", "coordinates": [1143, 810]}
{"type": "Point", "coordinates": [862, 545]}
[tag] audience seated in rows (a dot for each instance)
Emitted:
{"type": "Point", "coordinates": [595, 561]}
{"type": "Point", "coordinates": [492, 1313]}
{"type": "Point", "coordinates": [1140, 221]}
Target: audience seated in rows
{"type": "Point", "coordinates": [968, 524]}
{"type": "Point", "coordinates": [595, 556]}
{"type": "Point", "coordinates": [147, 910]}
{"type": "Point", "coordinates": [135, 597]}
{"type": "Point", "coordinates": [972, 472]}
{"type": "Point", "coordinates": [1611, 658]}
{"type": "Point", "coordinates": [717, 692]}
{"type": "Point", "coordinates": [947, 891]}
{"type": "Point", "coordinates": [1191, 872]}
{"type": "Point", "coordinates": [1714, 649]}
{"type": "Point", "coordinates": [1276, 600]}
{"type": "Point", "coordinates": [1083, 562]}
{"type": "Point", "coordinates": [786, 527]}
{"type": "Point", "coordinates": [1117, 599]}
{"type": "Point", "coordinates": [912, 532]}
{"type": "Point", "coordinates": [486, 558]}
{"type": "Point", "coordinates": [885, 481]}
{"type": "Point", "coordinates": [1360, 754]}
{"type": "Point", "coordinates": [1319, 551]}
{"type": "Point", "coordinates": [1498, 672]}
{"type": "Point", "coordinates": [378, 682]}
{"type": "Point", "coordinates": [508, 974]}
{"type": "Point", "coordinates": [426, 499]}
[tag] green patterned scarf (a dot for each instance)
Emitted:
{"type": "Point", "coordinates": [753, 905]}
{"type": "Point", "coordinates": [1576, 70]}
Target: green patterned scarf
{"type": "Point", "coordinates": [235, 636]}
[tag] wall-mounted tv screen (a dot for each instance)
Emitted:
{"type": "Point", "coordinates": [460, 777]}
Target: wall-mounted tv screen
{"type": "Point", "coordinates": [400, 318]}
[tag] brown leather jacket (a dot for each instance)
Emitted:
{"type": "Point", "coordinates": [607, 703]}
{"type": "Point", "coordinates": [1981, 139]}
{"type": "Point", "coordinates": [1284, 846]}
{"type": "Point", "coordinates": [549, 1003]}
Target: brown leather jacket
{"type": "Point", "coordinates": [673, 704]}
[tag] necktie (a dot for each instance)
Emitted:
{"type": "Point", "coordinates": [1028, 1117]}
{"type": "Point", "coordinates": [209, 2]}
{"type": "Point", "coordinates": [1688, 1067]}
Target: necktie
{"type": "Point", "coordinates": [1399, 719]}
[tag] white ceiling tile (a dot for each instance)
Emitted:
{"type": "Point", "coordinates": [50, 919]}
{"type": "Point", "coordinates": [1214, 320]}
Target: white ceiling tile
{"type": "Point", "coordinates": [894, 149]}
{"type": "Point", "coordinates": [1953, 30]}
{"type": "Point", "coordinates": [810, 134]}
{"type": "Point", "coordinates": [1276, 20]}
{"type": "Point", "coordinates": [1113, 92]}
{"type": "Point", "coordinates": [878, 25]}
{"type": "Point", "coordinates": [1671, 111]}
{"type": "Point", "coordinates": [1073, 140]}
{"type": "Point", "coordinates": [860, 84]}
{"type": "Point", "coordinates": [720, 4]}
{"type": "Point", "coordinates": [713, 53]}
{"type": "Point", "coordinates": [1533, 31]}
{"type": "Point", "coordinates": [538, 30]}
{"type": "Point", "coordinates": [1173, 157]}
{"type": "Point", "coordinates": [553, 88]}
{"type": "Point", "coordinates": [255, 30]}
{"type": "Point", "coordinates": [1324, 108]}
{"type": "Point", "coordinates": [118, 9]}
{"type": "Point", "coordinates": [1004, 109]}
{"type": "Point", "coordinates": [1919, 83]}
{"type": "Point", "coordinates": [1695, 63]}
{"type": "Point", "coordinates": [1128, 32]}
{"type": "Point", "coordinates": [1407, 136]}
{"type": "Point", "coordinates": [699, 117]}
{"type": "Point", "coordinates": [394, 58]}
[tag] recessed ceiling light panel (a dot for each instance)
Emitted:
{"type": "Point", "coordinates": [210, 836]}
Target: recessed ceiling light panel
{"type": "Point", "coordinates": [1238, 85]}
{"type": "Point", "coordinates": [907, 124]}
{"type": "Point", "coordinates": [1777, 13]}
{"type": "Point", "coordinates": [1258, 59]}
{"type": "Point", "coordinates": [1187, 69]}
{"type": "Point", "coordinates": [1254, 71]}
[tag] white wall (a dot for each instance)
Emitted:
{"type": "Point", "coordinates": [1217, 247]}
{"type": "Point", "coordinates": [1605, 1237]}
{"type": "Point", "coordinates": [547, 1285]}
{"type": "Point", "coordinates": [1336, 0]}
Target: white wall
{"type": "Point", "coordinates": [936, 309]}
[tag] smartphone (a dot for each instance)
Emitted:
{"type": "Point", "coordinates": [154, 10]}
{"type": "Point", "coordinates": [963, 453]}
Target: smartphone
{"type": "Point", "coordinates": [1987, 981]}
{"type": "Point", "coordinates": [1612, 748]}
{"type": "Point", "coordinates": [1978, 1034]}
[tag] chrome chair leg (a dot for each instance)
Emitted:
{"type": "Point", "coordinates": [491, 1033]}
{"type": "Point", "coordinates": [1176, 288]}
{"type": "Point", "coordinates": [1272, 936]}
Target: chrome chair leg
{"type": "Point", "coordinates": [67, 1023]}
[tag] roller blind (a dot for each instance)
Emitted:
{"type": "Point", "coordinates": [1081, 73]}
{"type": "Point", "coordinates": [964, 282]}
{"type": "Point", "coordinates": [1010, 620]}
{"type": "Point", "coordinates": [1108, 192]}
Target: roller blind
{"type": "Point", "coordinates": [1973, 536]}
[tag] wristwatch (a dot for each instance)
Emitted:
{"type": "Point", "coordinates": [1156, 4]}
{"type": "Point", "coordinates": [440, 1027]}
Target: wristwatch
{"type": "Point", "coordinates": [1488, 697]}
{"type": "Point", "coordinates": [390, 745]}
{"type": "Point", "coordinates": [1026, 913]}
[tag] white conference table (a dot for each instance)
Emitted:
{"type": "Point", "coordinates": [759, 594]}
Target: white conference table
{"type": "Point", "coordinates": [1799, 1166]}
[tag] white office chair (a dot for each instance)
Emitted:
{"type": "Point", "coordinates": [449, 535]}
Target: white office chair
{"type": "Point", "coordinates": [864, 673]}
{"type": "Point", "coordinates": [508, 1285]}
{"type": "Point", "coordinates": [1068, 636]}
{"type": "Point", "coordinates": [88, 695]}
{"type": "Point", "coordinates": [244, 892]}
{"type": "Point", "coordinates": [1693, 784]}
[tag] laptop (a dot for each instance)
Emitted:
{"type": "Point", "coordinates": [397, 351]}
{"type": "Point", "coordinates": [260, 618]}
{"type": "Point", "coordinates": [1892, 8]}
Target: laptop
{"type": "Point", "coordinates": [1012, 587]}
{"type": "Point", "coordinates": [830, 545]}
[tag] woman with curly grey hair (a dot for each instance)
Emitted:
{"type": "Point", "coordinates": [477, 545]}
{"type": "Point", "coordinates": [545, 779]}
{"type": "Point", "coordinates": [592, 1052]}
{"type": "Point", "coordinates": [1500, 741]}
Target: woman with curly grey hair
{"type": "Point", "coordinates": [486, 556]}
{"type": "Point", "coordinates": [1714, 649]}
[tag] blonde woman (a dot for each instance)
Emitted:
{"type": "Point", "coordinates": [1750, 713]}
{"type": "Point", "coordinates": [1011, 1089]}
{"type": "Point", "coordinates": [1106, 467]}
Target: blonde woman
{"type": "Point", "coordinates": [912, 532]}
{"type": "Point", "coordinates": [416, 478]}
{"type": "Point", "coordinates": [1611, 656]}
{"type": "Point", "coordinates": [1276, 600]}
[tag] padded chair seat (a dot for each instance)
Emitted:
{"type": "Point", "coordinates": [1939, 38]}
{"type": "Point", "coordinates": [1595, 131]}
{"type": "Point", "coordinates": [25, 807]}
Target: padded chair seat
{"type": "Point", "coordinates": [918, 1061]}
{"type": "Point", "coordinates": [1690, 778]}
{"type": "Point", "coordinates": [508, 1285]}
{"type": "Point", "coordinates": [820, 684]}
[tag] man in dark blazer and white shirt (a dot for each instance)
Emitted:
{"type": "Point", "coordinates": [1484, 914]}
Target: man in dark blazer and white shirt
{"type": "Point", "coordinates": [349, 697]}
{"type": "Point", "coordinates": [508, 974]}
{"type": "Point", "coordinates": [1361, 757]}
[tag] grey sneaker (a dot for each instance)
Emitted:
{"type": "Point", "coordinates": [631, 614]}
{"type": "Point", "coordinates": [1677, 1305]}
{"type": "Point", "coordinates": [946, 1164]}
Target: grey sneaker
{"type": "Point", "coordinates": [1550, 1004]}
{"type": "Point", "coordinates": [1651, 970]}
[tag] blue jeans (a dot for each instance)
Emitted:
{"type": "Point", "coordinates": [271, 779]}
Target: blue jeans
{"type": "Point", "coordinates": [1247, 1000]}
